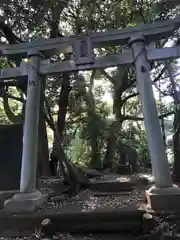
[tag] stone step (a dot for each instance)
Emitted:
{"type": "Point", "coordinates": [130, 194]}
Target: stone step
{"type": "Point", "coordinates": [113, 186]}
{"type": "Point", "coordinates": [108, 220]}
{"type": "Point", "coordinates": [102, 194]}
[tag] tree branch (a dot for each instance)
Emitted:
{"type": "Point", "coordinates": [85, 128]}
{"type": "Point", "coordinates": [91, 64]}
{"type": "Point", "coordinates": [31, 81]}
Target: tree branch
{"type": "Point", "coordinates": [12, 97]}
{"type": "Point", "coordinates": [8, 83]}
{"type": "Point", "coordinates": [111, 79]}
{"type": "Point", "coordinates": [160, 75]}
{"type": "Point", "coordinates": [134, 118]}
{"type": "Point", "coordinates": [136, 94]}
{"type": "Point", "coordinates": [129, 96]}
{"type": "Point", "coordinates": [163, 93]}
{"type": "Point", "coordinates": [10, 36]}
{"type": "Point", "coordinates": [131, 83]}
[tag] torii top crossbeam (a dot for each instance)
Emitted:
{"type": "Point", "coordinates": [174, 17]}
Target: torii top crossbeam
{"type": "Point", "coordinates": [152, 32]}
{"type": "Point", "coordinates": [82, 49]}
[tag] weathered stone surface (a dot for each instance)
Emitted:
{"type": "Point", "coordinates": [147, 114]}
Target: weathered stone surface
{"type": "Point", "coordinates": [106, 220]}
{"type": "Point", "coordinates": [25, 202]}
{"type": "Point", "coordinates": [123, 169]}
{"type": "Point", "coordinates": [106, 186]}
{"type": "Point", "coordinates": [6, 195]}
{"type": "Point", "coordinates": [94, 173]}
{"type": "Point", "coordinates": [164, 198]}
{"type": "Point", "coordinates": [58, 198]}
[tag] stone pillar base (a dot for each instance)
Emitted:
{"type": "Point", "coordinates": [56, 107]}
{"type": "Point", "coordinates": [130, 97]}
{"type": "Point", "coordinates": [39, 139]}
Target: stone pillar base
{"type": "Point", "coordinates": [25, 202]}
{"type": "Point", "coordinates": [4, 195]}
{"type": "Point", "coordinates": [164, 198]}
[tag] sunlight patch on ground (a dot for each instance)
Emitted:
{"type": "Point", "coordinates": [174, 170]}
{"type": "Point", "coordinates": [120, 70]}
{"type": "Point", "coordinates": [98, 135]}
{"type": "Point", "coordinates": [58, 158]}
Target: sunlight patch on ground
{"type": "Point", "coordinates": [116, 178]}
{"type": "Point", "coordinates": [114, 202]}
{"type": "Point", "coordinates": [123, 179]}
{"type": "Point", "coordinates": [91, 204]}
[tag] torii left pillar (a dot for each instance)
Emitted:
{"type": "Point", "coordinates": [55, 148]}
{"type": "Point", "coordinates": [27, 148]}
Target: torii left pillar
{"type": "Point", "coordinates": [29, 199]}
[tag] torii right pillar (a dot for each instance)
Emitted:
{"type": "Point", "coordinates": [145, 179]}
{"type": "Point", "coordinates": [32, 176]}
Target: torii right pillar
{"type": "Point", "coordinates": [164, 195]}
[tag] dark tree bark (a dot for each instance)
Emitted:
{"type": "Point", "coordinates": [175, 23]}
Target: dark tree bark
{"type": "Point", "coordinates": [73, 176]}
{"type": "Point", "coordinates": [6, 29]}
{"type": "Point", "coordinates": [176, 141]}
{"type": "Point", "coordinates": [95, 155]}
{"type": "Point", "coordinates": [61, 121]}
{"type": "Point", "coordinates": [43, 148]}
{"type": "Point", "coordinates": [63, 104]}
{"type": "Point", "coordinates": [95, 151]}
{"type": "Point", "coordinates": [133, 159]}
{"type": "Point", "coordinates": [111, 144]}
{"type": "Point", "coordinates": [58, 154]}
{"type": "Point", "coordinates": [119, 87]}
{"type": "Point", "coordinates": [110, 151]}
{"type": "Point", "coordinates": [92, 116]}
{"type": "Point", "coordinates": [176, 146]}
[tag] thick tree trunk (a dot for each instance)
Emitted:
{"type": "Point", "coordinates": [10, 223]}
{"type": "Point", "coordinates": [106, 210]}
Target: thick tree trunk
{"type": "Point", "coordinates": [61, 120]}
{"type": "Point", "coordinates": [43, 149]}
{"type": "Point", "coordinates": [90, 101]}
{"type": "Point", "coordinates": [110, 151]}
{"type": "Point", "coordinates": [176, 145]}
{"type": "Point", "coordinates": [133, 160]}
{"type": "Point", "coordinates": [123, 158]}
{"type": "Point", "coordinates": [111, 144]}
{"type": "Point", "coordinates": [72, 176]}
{"type": "Point", "coordinates": [95, 154]}
{"type": "Point", "coordinates": [95, 151]}
{"type": "Point", "coordinates": [176, 165]}
{"type": "Point", "coordinates": [63, 104]}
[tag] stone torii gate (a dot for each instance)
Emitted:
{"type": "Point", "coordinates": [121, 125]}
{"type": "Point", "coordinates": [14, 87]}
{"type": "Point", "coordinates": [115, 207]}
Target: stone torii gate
{"type": "Point", "coordinates": [81, 48]}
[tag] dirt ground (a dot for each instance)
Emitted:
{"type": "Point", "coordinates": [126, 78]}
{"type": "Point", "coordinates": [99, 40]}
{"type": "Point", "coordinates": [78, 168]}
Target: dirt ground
{"type": "Point", "coordinates": [86, 201]}
{"type": "Point", "coordinates": [68, 236]}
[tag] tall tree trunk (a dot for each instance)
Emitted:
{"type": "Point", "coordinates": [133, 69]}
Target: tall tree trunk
{"type": "Point", "coordinates": [176, 145]}
{"type": "Point", "coordinates": [74, 177]}
{"type": "Point", "coordinates": [163, 130]}
{"type": "Point", "coordinates": [61, 120]}
{"type": "Point", "coordinates": [95, 153]}
{"type": "Point", "coordinates": [91, 105]}
{"type": "Point", "coordinates": [43, 148]}
{"type": "Point", "coordinates": [176, 137]}
{"type": "Point", "coordinates": [176, 165]}
{"type": "Point", "coordinates": [63, 104]}
{"type": "Point", "coordinates": [111, 144]}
